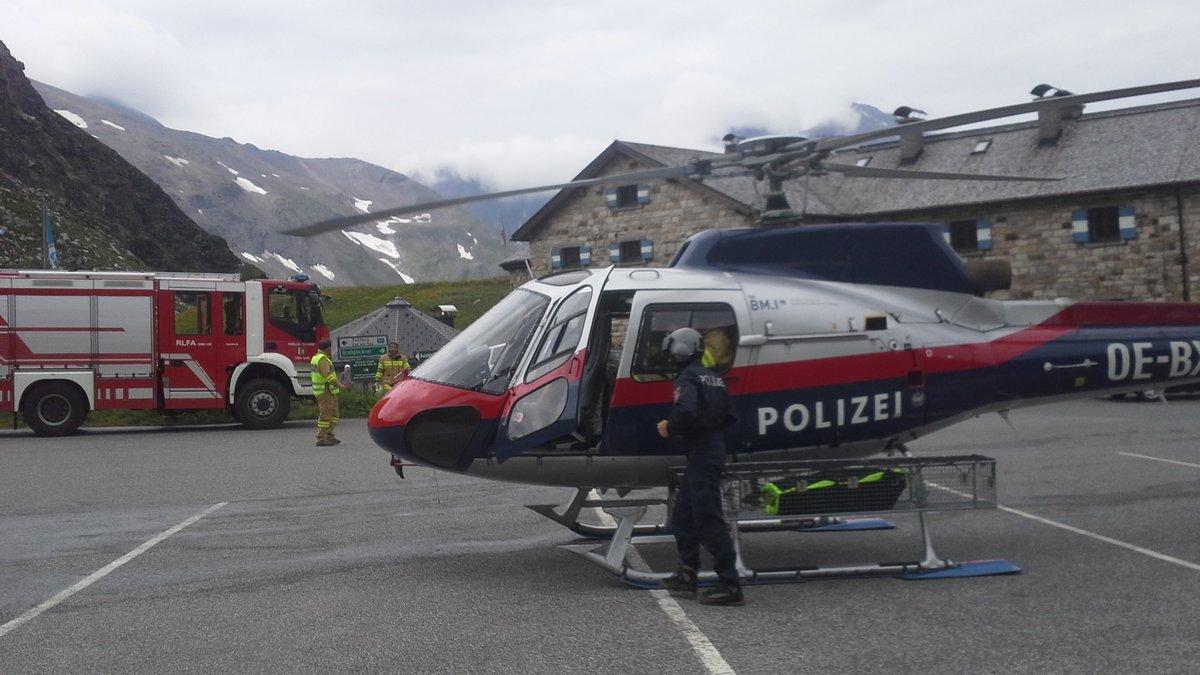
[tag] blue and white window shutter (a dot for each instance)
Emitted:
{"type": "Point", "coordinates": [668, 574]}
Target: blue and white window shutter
{"type": "Point", "coordinates": [1127, 223]}
{"type": "Point", "coordinates": [610, 197]}
{"type": "Point", "coordinates": [614, 253]}
{"type": "Point", "coordinates": [647, 250]}
{"type": "Point", "coordinates": [1079, 226]}
{"type": "Point", "coordinates": [556, 259]}
{"type": "Point", "coordinates": [643, 193]}
{"type": "Point", "coordinates": [983, 234]}
{"type": "Point", "coordinates": [585, 255]}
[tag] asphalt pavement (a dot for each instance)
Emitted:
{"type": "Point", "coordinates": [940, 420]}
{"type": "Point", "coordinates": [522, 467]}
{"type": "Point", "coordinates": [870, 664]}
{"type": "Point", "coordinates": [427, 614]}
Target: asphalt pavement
{"type": "Point", "coordinates": [317, 559]}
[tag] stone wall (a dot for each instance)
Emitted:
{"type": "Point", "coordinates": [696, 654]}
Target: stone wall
{"type": "Point", "coordinates": [1035, 237]}
{"type": "Point", "coordinates": [675, 212]}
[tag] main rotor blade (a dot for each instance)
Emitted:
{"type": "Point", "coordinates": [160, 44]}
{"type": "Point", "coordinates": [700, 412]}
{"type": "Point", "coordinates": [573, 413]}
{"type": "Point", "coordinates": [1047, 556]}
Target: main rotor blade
{"type": "Point", "coordinates": [701, 167]}
{"type": "Point", "coordinates": [871, 172]}
{"type": "Point", "coordinates": [1001, 112]}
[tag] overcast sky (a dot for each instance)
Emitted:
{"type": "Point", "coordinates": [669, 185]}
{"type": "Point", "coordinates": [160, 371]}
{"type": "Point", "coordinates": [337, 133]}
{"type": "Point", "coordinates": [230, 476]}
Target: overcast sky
{"type": "Point", "coordinates": [515, 92]}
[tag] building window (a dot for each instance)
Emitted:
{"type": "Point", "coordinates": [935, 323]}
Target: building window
{"type": "Point", "coordinates": [964, 235]}
{"type": "Point", "coordinates": [1103, 224]}
{"type": "Point", "coordinates": [627, 196]}
{"type": "Point", "coordinates": [981, 147]}
{"type": "Point", "coordinates": [631, 251]}
{"type": "Point", "coordinates": [569, 257]}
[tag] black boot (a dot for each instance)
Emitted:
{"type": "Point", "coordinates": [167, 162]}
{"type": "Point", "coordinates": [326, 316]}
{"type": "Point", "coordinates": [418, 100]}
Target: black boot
{"type": "Point", "coordinates": [723, 593]}
{"type": "Point", "coordinates": [682, 582]}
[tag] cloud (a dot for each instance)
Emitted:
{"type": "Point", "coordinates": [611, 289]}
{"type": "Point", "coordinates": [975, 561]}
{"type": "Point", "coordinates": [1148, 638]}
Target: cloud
{"type": "Point", "coordinates": [519, 93]}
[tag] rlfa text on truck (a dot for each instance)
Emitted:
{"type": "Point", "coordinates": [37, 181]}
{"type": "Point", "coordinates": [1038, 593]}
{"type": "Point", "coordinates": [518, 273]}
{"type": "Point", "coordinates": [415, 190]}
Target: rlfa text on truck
{"type": "Point", "coordinates": [72, 342]}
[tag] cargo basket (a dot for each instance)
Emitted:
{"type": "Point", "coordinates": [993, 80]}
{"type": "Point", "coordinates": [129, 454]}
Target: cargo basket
{"type": "Point", "coordinates": [804, 489]}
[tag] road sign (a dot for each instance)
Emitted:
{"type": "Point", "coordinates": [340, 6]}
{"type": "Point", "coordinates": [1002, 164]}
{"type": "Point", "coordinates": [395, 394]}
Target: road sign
{"type": "Point", "coordinates": [420, 356]}
{"type": "Point", "coordinates": [360, 346]}
{"type": "Point", "coordinates": [363, 370]}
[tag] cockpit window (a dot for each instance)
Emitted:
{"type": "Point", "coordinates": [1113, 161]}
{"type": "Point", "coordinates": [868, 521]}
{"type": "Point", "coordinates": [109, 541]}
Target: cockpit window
{"type": "Point", "coordinates": [484, 356]}
{"type": "Point", "coordinates": [562, 337]}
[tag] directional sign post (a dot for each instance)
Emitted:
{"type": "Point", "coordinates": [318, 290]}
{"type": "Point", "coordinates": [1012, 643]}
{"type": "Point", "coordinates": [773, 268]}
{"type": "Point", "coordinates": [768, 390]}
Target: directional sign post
{"type": "Point", "coordinates": [360, 347]}
{"type": "Point", "coordinates": [363, 352]}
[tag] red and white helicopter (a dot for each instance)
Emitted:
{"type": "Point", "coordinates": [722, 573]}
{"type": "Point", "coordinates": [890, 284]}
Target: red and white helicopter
{"type": "Point", "coordinates": [840, 340]}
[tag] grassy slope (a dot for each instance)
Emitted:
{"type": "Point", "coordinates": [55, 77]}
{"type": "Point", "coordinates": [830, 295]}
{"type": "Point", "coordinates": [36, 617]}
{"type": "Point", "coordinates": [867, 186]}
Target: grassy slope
{"type": "Point", "coordinates": [472, 298]}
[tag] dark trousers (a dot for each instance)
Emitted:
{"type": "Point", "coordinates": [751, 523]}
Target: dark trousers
{"type": "Point", "coordinates": [697, 519]}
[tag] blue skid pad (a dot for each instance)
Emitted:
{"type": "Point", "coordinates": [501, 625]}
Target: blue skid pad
{"type": "Point", "coordinates": [854, 524]}
{"type": "Point", "coordinates": [975, 568]}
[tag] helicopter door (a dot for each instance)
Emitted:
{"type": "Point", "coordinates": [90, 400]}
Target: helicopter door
{"type": "Point", "coordinates": [543, 407]}
{"type": "Point", "coordinates": [644, 388]}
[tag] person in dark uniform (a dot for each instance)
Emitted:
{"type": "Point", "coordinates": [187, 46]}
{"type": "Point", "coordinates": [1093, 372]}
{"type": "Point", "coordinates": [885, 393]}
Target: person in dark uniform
{"type": "Point", "coordinates": [699, 418]}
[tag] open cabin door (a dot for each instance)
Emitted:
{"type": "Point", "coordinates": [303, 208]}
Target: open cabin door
{"type": "Point", "coordinates": [544, 403]}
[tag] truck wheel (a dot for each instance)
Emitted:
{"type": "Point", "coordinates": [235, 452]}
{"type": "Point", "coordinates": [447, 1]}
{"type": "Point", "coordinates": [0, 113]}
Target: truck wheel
{"type": "Point", "coordinates": [262, 404]}
{"type": "Point", "coordinates": [54, 409]}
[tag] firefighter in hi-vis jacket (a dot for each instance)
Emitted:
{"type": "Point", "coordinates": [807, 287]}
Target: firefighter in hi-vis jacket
{"type": "Point", "coordinates": [325, 389]}
{"type": "Point", "coordinates": [391, 366]}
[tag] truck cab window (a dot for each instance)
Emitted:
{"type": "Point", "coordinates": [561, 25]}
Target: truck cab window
{"type": "Point", "coordinates": [290, 311]}
{"type": "Point", "coordinates": [715, 322]}
{"type": "Point", "coordinates": [193, 313]}
{"type": "Point", "coordinates": [233, 307]}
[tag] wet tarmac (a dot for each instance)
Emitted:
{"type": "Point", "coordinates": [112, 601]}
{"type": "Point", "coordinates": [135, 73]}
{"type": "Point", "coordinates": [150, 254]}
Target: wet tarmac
{"type": "Point", "coordinates": [297, 558]}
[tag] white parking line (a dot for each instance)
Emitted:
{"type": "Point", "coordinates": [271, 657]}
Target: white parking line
{"type": "Point", "coordinates": [1071, 528]}
{"type": "Point", "coordinates": [1160, 459]}
{"type": "Point", "coordinates": [1108, 540]}
{"type": "Point", "coordinates": [103, 571]}
{"type": "Point", "coordinates": [708, 654]}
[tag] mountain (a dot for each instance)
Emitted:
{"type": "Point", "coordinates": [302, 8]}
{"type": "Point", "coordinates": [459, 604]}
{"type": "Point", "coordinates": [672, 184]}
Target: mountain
{"type": "Point", "coordinates": [109, 215]}
{"type": "Point", "coordinates": [246, 195]}
{"type": "Point", "coordinates": [864, 118]}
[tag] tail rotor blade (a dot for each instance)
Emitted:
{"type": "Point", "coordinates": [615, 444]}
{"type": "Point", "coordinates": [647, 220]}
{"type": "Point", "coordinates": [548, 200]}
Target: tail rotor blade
{"type": "Point", "coordinates": [873, 172]}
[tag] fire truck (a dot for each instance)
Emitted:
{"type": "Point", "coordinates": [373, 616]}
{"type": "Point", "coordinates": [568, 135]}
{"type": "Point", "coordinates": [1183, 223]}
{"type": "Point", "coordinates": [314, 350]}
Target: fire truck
{"type": "Point", "coordinates": [72, 342]}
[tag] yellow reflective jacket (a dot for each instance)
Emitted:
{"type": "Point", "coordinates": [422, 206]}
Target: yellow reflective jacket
{"type": "Point", "coordinates": [389, 368]}
{"type": "Point", "coordinates": [323, 381]}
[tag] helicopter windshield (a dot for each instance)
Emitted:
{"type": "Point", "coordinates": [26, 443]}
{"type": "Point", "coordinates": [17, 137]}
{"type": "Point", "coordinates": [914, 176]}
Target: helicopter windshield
{"type": "Point", "coordinates": [484, 356]}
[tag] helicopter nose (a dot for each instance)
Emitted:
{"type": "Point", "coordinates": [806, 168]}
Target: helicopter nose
{"type": "Point", "coordinates": [434, 424]}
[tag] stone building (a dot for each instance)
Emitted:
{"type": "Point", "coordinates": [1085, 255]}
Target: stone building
{"type": "Point", "coordinates": [1122, 223]}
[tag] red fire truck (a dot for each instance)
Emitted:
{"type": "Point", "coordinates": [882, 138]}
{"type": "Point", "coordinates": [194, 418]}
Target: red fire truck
{"type": "Point", "coordinates": [71, 342]}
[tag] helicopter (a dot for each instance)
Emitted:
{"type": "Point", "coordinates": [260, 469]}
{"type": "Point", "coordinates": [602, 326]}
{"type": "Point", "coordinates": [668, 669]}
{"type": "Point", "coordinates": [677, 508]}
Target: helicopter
{"type": "Point", "coordinates": [835, 340]}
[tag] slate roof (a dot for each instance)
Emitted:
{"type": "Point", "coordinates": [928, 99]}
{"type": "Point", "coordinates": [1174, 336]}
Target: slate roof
{"type": "Point", "coordinates": [400, 321]}
{"type": "Point", "coordinates": [1129, 148]}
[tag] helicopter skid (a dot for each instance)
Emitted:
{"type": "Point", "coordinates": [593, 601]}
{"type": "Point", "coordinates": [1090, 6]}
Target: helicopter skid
{"type": "Point", "coordinates": [614, 558]}
{"type": "Point", "coordinates": [568, 516]}
{"type": "Point", "coordinates": [922, 485]}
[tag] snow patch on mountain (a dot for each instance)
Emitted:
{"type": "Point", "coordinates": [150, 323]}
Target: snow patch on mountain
{"type": "Point", "coordinates": [226, 167]}
{"type": "Point", "coordinates": [286, 262]}
{"type": "Point", "coordinates": [462, 253]}
{"type": "Point", "coordinates": [114, 125]}
{"type": "Point", "coordinates": [407, 279]}
{"type": "Point", "coordinates": [246, 185]}
{"type": "Point", "coordinates": [383, 227]}
{"type": "Point", "coordinates": [328, 273]}
{"type": "Point", "coordinates": [73, 118]}
{"type": "Point", "coordinates": [177, 161]}
{"type": "Point", "coordinates": [374, 243]}
{"type": "Point", "coordinates": [251, 257]}
{"type": "Point", "coordinates": [363, 205]}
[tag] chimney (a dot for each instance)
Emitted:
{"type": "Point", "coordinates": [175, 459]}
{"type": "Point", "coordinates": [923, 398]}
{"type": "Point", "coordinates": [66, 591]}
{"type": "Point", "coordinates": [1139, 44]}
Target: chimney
{"type": "Point", "coordinates": [731, 142]}
{"type": "Point", "coordinates": [446, 314]}
{"type": "Point", "coordinates": [1051, 118]}
{"type": "Point", "coordinates": [911, 144]}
